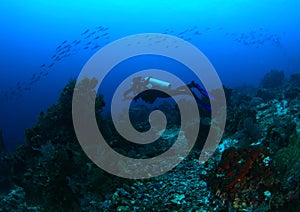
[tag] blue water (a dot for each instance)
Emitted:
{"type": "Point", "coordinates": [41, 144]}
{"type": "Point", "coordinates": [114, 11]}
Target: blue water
{"type": "Point", "coordinates": [242, 39]}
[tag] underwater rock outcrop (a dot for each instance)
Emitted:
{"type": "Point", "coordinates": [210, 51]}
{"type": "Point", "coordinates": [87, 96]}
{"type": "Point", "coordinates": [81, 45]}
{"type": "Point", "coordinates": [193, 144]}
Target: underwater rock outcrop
{"type": "Point", "coordinates": [5, 167]}
{"type": "Point", "coordinates": [51, 168]}
{"type": "Point", "coordinates": [243, 177]}
{"type": "Point", "coordinates": [294, 80]}
{"type": "Point", "coordinates": [273, 79]}
{"type": "Point", "coordinates": [259, 166]}
{"type": "Point", "coordinates": [255, 167]}
{"type": "Point", "coordinates": [2, 148]}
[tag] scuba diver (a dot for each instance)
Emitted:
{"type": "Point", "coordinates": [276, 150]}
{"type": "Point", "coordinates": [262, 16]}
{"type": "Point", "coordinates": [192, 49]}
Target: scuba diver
{"type": "Point", "coordinates": [156, 87]}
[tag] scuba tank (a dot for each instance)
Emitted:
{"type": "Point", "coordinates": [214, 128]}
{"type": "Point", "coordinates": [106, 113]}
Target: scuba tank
{"type": "Point", "coordinates": [157, 84]}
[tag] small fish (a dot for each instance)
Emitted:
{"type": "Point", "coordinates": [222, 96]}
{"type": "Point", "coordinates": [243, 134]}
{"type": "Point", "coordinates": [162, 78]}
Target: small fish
{"type": "Point", "coordinates": [96, 38]}
{"type": "Point", "coordinates": [180, 33]}
{"type": "Point", "coordinates": [92, 33]}
{"type": "Point", "coordinates": [95, 47]}
{"type": "Point", "coordinates": [88, 43]}
{"type": "Point", "coordinates": [41, 72]}
{"type": "Point", "coordinates": [33, 76]}
{"type": "Point", "coordinates": [105, 28]}
{"type": "Point", "coordinates": [86, 47]}
{"type": "Point", "coordinates": [34, 81]}
{"type": "Point", "coordinates": [59, 50]}
{"type": "Point", "coordinates": [88, 36]}
{"type": "Point", "coordinates": [52, 64]}
{"type": "Point", "coordinates": [104, 34]}
{"type": "Point", "coordinates": [65, 41]}
{"type": "Point", "coordinates": [45, 73]}
{"type": "Point", "coordinates": [86, 31]}
{"type": "Point", "coordinates": [43, 65]}
{"type": "Point", "coordinates": [78, 42]}
{"type": "Point", "coordinates": [67, 46]}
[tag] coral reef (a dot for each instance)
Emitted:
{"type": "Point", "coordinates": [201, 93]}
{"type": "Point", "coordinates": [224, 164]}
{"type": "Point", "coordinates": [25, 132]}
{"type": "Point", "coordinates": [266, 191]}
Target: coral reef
{"type": "Point", "coordinates": [295, 80]}
{"type": "Point", "coordinates": [51, 166]}
{"type": "Point", "coordinates": [256, 167]}
{"type": "Point", "coordinates": [259, 166]}
{"type": "Point", "coordinates": [273, 79]}
{"type": "Point", "coordinates": [243, 176]}
{"type": "Point", "coordinates": [5, 168]}
{"type": "Point", "coordinates": [2, 148]}
{"type": "Point", "coordinates": [286, 162]}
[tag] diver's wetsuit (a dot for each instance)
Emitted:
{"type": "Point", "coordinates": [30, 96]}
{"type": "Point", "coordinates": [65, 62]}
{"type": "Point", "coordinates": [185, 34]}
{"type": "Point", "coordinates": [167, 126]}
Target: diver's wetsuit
{"type": "Point", "coordinates": [150, 95]}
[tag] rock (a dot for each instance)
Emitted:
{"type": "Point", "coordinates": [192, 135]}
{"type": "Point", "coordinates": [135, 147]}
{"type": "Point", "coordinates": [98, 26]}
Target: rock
{"type": "Point", "coordinates": [255, 101]}
{"type": "Point", "coordinates": [178, 198]}
{"type": "Point", "coordinates": [273, 79]}
{"type": "Point", "coordinates": [2, 148]}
